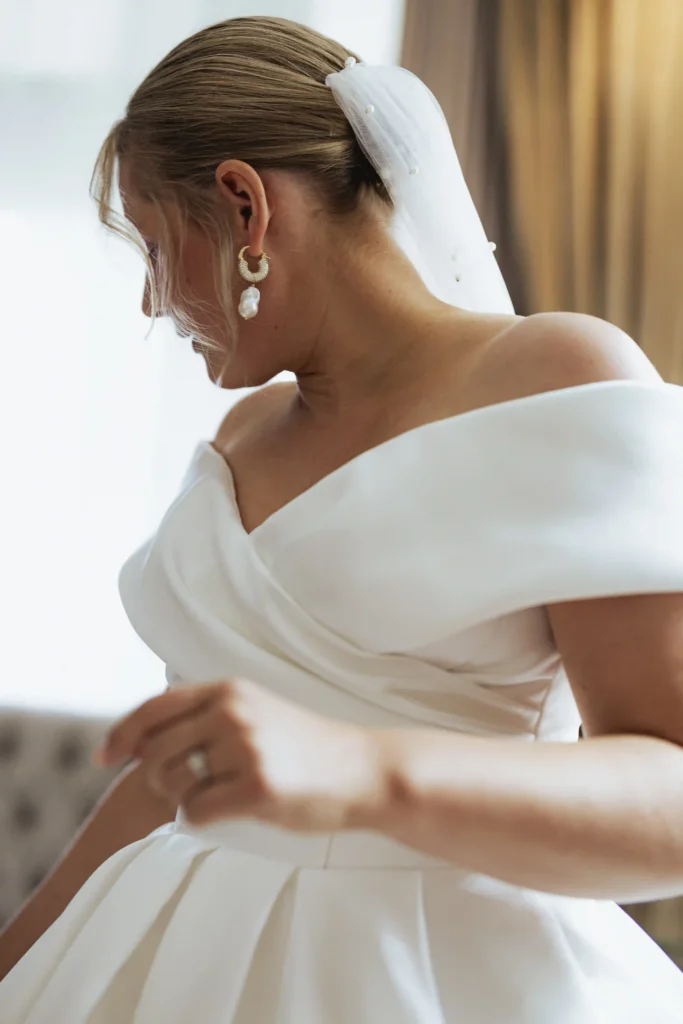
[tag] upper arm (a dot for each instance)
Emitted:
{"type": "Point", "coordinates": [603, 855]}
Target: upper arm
{"type": "Point", "coordinates": [623, 655]}
{"type": "Point", "coordinates": [624, 660]}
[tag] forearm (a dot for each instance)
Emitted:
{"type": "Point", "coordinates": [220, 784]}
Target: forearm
{"type": "Point", "coordinates": [602, 818]}
{"type": "Point", "coordinates": [128, 812]}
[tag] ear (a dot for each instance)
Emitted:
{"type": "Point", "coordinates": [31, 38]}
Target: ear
{"type": "Point", "coordinates": [242, 188]}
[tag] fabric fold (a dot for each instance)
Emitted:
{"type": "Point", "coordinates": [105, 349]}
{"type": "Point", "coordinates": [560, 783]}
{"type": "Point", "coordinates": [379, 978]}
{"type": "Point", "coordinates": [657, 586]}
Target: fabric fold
{"type": "Point", "coordinates": [407, 587]}
{"type": "Point", "coordinates": [227, 920]}
{"type": "Point", "coordinates": [461, 522]}
{"type": "Point", "coordinates": [116, 923]}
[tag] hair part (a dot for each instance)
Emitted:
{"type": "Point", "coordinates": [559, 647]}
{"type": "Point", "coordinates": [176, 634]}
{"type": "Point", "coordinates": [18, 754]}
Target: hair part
{"type": "Point", "coordinates": [251, 89]}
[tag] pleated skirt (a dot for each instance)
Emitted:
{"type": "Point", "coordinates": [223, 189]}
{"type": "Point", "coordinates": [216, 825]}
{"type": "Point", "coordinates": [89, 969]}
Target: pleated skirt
{"type": "Point", "coordinates": [248, 925]}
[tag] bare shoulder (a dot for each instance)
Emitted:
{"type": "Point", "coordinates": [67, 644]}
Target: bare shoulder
{"type": "Point", "coordinates": [551, 351]}
{"type": "Point", "coordinates": [252, 411]}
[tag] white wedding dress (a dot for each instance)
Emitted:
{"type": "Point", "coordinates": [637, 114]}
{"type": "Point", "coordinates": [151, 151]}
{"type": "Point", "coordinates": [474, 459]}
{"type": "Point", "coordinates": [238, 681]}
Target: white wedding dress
{"type": "Point", "coordinates": [406, 588]}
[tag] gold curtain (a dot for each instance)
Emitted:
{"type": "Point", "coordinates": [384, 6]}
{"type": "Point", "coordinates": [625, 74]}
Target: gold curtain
{"type": "Point", "coordinates": [591, 97]}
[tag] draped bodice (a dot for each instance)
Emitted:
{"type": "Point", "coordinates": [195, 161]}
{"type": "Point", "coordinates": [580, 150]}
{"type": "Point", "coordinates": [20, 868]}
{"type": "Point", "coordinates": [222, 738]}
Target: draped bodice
{"type": "Point", "coordinates": [410, 585]}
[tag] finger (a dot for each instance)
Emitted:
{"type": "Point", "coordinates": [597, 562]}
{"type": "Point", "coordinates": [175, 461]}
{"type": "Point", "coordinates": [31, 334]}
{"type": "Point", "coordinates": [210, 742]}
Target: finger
{"type": "Point", "coordinates": [165, 754]}
{"type": "Point", "coordinates": [177, 782]}
{"type": "Point", "coordinates": [123, 740]}
{"type": "Point", "coordinates": [177, 737]}
{"type": "Point", "coordinates": [223, 798]}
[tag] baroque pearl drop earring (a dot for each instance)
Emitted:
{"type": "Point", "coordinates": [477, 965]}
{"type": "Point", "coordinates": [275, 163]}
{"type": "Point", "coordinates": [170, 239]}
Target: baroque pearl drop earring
{"type": "Point", "coordinates": [250, 297]}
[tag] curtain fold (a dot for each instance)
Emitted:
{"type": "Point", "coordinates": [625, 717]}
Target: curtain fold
{"type": "Point", "coordinates": [590, 94]}
{"type": "Point", "coordinates": [566, 118]}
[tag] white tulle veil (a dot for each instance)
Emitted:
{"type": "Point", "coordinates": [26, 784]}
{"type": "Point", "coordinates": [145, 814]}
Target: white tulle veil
{"type": "Point", "coordinates": [402, 129]}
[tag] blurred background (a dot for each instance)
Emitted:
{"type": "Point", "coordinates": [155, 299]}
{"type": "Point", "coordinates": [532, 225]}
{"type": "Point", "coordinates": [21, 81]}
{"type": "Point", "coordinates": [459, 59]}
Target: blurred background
{"type": "Point", "coordinates": [567, 118]}
{"type": "Point", "coordinates": [97, 421]}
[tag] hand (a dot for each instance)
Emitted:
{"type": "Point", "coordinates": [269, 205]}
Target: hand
{"type": "Point", "coordinates": [268, 758]}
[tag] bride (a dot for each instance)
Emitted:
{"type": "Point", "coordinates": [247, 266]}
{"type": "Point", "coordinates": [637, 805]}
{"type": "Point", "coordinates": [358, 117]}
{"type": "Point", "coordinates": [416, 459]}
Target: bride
{"type": "Point", "coordinates": [386, 596]}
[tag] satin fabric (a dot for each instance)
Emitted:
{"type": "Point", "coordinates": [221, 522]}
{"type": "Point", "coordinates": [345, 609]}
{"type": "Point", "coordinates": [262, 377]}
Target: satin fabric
{"type": "Point", "coordinates": [407, 588]}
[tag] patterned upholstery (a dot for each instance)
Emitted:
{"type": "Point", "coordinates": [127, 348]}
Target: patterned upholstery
{"type": "Point", "coordinates": [48, 786]}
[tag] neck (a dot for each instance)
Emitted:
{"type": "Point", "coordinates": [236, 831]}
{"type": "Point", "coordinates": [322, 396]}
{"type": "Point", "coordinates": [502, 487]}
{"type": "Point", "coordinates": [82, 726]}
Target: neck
{"type": "Point", "coordinates": [381, 332]}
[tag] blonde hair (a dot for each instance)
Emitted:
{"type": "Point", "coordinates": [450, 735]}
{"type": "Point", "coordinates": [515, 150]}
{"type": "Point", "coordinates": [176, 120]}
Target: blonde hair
{"type": "Point", "coordinates": [248, 88]}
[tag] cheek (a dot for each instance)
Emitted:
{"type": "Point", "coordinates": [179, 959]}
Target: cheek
{"type": "Point", "coordinates": [196, 272]}
{"type": "Point", "coordinates": [199, 298]}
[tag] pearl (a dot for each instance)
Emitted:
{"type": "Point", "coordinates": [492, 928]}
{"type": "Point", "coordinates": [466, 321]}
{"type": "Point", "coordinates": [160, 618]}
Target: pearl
{"type": "Point", "coordinates": [458, 278]}
{"type": "Point", "coordinates": [349, 62]}
{"type": "Point", "coordinates": [492, 246]}
{"type": "Point", "coordinates": [414, 170]}
{"type": "Point", "coordinates": [249, 301]}
{"type": "Point", "coordinates": [370, 109]}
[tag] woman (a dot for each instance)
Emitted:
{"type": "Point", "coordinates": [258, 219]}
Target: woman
{"type": "Point", "coordinates": [457, 530]}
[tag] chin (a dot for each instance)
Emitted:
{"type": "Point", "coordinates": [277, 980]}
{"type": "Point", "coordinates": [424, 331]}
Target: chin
{"type": "Point", "coordinates": [233, 379]}
{"type": "Point", "coordinates": [218, 370]}
{"type": "Point", "coordinates": [237, 369]}
{"type": "Point", "coordinates": [237, 373]}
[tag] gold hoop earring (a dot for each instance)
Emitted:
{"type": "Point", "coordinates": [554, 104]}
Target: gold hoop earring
{"type": "Point", "coordinates": [250, 297]}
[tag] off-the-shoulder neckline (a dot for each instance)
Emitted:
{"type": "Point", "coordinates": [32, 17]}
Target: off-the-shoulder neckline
{"type": "Point", "coordinates": [493, 410]}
